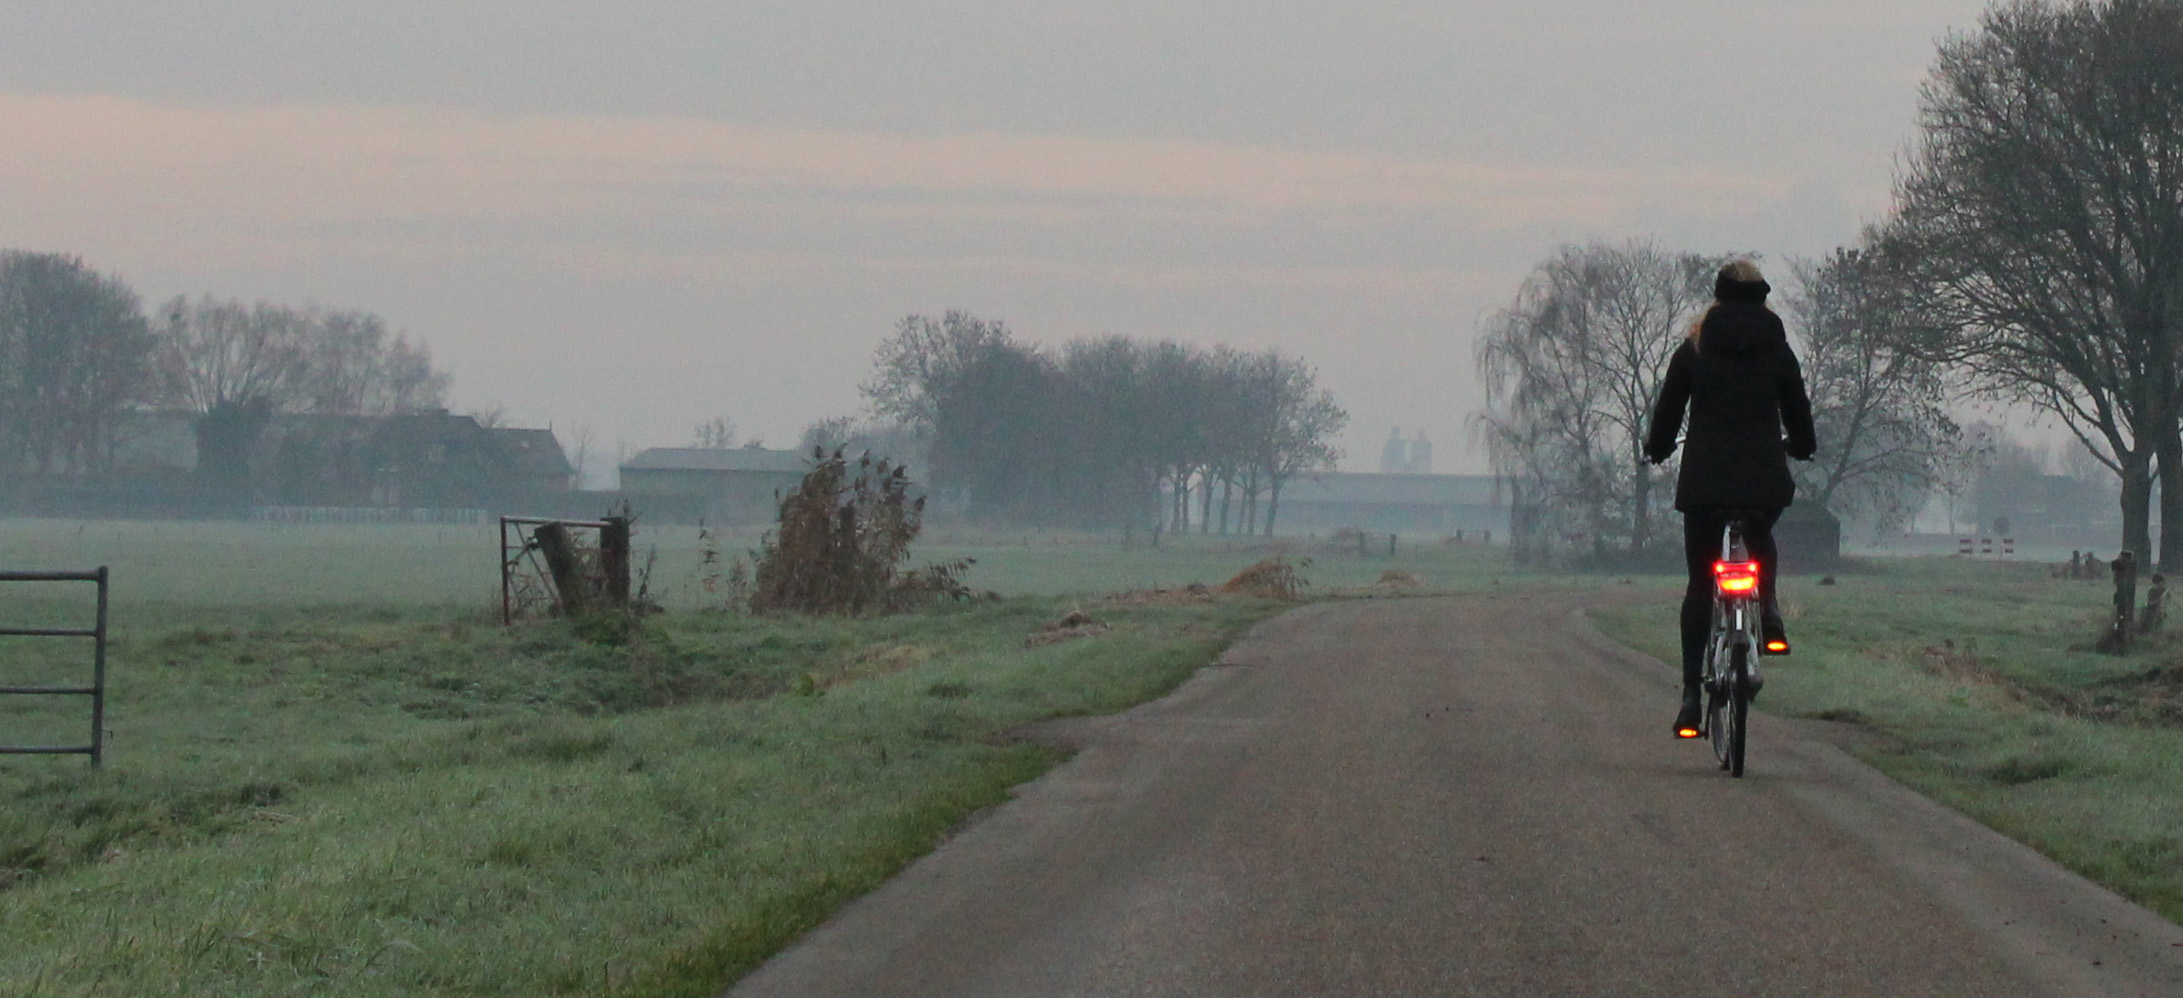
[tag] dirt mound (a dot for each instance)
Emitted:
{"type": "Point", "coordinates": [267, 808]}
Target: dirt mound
{"type": "Point", "coordinates": [1196, 592]}
{"type": "Point", "coordinates": [1072, 625]}
{"type": "Point", "coordinates": [1273, 578]}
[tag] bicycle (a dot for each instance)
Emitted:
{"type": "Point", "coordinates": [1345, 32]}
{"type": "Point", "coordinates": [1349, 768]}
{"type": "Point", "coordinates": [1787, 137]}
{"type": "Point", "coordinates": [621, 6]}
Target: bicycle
{"type": "Point", "coordinates": [1730, 676]}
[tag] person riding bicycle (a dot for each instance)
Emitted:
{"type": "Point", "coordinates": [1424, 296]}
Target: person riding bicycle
{"type": "Point", "coordinates": [1744, 390]}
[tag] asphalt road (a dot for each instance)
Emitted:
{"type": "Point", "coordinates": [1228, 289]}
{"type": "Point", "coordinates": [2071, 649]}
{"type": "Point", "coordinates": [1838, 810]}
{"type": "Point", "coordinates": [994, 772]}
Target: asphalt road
{"type": "Point", "coordinates": [1469, 796]}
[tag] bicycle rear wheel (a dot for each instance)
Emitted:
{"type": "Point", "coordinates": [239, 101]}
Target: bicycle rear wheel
{"type": "Point", "coordinates": [1717, 705]}
{"type": "Point", "coordinates": [1738, 707]}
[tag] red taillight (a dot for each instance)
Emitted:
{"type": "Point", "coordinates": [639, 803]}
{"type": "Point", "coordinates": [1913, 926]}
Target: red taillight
{"type": "Point", "coordinates": [1736, 578]}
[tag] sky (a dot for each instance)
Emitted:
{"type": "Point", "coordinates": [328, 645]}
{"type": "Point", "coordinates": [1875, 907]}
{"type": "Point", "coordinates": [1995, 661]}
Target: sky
{"type": "Point", "coordinates": [623, 220]}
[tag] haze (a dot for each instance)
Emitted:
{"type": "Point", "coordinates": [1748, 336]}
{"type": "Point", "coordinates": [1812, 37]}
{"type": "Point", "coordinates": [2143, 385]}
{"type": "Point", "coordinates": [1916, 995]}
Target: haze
{"type": "Point", "coordinates": [630, 221]}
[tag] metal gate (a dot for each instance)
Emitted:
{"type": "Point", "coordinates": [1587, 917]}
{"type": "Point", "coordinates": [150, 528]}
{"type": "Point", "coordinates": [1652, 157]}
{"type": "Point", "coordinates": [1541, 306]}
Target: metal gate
{"type": "Point", "coordinates": [96, 691]}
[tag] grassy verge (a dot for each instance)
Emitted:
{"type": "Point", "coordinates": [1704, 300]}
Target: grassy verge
{"type": "Point", "coordinates": [331, 774]}
{"type": "Point", "coordinates": [1978, 685]}
{"type": "Point", "coordinates": [418, 808]}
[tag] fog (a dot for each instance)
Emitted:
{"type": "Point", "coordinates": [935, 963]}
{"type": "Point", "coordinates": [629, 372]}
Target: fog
{"type": "Point", "coordinates": [628, 221]}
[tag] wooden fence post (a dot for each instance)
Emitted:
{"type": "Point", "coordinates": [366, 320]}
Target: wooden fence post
{"type": "Point", "coordinates": [569, 585]}
{"type": "Point", "coordinates": [614, 560]}
{"type": "Point", "coordinates": [2125, 569]}
{"type": "Point", "coordinates": [2156, 605]}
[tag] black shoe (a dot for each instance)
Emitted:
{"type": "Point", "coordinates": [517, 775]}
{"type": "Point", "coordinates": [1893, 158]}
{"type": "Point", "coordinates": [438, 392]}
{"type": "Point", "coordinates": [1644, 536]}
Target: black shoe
{"type": "Point", "coordinates": [1690, 721]}
{"type": "Point", "coordinates": [1773, 637]}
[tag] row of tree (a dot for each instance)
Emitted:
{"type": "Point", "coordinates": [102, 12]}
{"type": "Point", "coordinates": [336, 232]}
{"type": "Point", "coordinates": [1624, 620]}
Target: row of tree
{"type": "Point", "coordinates": [1108, 432]}
{"type": "Point", "coordinates": [2035, 257]}
{"type": "Point", "coordinates": [78, 354]}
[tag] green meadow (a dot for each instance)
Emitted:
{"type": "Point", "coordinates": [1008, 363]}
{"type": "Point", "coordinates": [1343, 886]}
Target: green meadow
{"type": "Point", "coordinates": [332, 772]}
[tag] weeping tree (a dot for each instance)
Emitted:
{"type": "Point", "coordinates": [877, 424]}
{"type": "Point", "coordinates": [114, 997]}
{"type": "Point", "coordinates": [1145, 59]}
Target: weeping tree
{"type": "Point", "coordinates": [1572, 369]}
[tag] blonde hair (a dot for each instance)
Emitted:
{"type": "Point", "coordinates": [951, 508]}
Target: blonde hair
{"type": "Point", "coordinates": [1742, 271]}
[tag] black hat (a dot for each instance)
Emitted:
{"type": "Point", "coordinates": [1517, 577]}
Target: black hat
{"type": "Point", "coordinates": [1727, 288]}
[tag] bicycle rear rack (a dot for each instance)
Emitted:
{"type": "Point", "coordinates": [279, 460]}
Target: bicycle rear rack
{"type": "Point", "coordinates": [96, 691]}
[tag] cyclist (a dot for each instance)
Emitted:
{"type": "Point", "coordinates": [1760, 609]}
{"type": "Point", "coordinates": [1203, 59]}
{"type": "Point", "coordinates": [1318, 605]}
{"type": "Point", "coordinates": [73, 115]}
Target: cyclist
{"type": "Point", "coordinates": [1744, 389]}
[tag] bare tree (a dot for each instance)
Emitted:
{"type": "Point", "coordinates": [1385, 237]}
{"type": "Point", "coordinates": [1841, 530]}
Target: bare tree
{"type": "Point", "coordinates": [1881, 410]}
{"type": "Point", "coordinates": [1295, 421]}
{"type": "Point", "coordinates": [583, 449]}
{"type": "Point", "coordinates": [73, 356]}
{"type": "Point", "coordinates": [717, 433]}
{"type": "Point", "coordinates": [2042, 216]}
{"type": "Point", "coordinates": [214, 351]}
{"type": "Point", "coordinates": [917, 367]}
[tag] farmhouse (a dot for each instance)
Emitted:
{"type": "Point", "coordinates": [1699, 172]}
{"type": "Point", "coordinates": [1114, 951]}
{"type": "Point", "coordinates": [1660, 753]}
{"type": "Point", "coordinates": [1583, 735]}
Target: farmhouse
{"type": "Point", "coordinates": [720, 485]}
{"type": "Point", "coordinates": [1399, 504]}
{"type": "Point", "coordinates": [429, 459]}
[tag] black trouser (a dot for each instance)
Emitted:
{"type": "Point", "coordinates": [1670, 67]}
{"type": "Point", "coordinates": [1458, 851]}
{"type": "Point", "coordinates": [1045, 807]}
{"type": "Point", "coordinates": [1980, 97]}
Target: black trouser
{"type": "Point", "coordinates": [1701, 548]}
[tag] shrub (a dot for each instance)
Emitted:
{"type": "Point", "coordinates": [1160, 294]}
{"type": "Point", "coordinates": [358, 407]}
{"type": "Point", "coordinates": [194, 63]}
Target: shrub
{"type": "Point", "coordinates": [840, 543]}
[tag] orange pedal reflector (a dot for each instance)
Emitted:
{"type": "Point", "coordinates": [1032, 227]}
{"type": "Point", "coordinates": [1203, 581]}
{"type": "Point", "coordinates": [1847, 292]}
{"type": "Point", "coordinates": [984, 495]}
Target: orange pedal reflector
{"type": "Point", "coordinates": [1686, 732]}
{"type": "Point", "coordinates": [1777, 646]}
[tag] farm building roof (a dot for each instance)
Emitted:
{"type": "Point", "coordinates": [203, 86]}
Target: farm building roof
{"type": "Point", "coordinates": [718, 459]}
{"type": "Point", "coordinates": [536, 452]}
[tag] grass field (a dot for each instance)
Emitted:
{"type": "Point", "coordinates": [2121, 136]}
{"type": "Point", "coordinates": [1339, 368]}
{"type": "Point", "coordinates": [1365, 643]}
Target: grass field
{"type": "Point", "coordinates": [1974, 683]}
{"type": "Point", "coordinates": [332, 773]}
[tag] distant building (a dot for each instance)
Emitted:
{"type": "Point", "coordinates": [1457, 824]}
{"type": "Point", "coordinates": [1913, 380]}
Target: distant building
{"type": "Point", "coordinates": [420, 459]}
{"type": "Point", "coordinates": [1398, 503]}
{"type": "Point", "coordinates": [721, 485]}
{"type": "Point", "coordinates": [1808, 538]}
{"type": "Point", "coordinates": [1394, 454]}
{"type": "Point", "coordinates": [1406, 457]}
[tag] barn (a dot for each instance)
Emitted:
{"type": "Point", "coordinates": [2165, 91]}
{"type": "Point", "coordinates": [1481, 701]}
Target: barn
{"type": "Point", "coordinates": [1399, 504]}
{"type": "Point", "coordinates": [719, 485]}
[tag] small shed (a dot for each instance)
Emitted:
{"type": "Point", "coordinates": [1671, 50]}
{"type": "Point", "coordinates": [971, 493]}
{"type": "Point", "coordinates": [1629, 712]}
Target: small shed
{"type": "Point", "coordinates": [1809, 538]}
{"type": "Point", "coordinates": [721, 485]}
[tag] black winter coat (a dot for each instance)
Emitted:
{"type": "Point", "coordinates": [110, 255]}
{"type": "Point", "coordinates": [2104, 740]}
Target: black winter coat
{"type": "Point", "coordinates": [1744, 390]}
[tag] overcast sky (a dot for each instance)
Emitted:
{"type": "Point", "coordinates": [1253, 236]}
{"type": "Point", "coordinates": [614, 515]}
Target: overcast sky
{"type": "Point", "coordinates": [633, 217]}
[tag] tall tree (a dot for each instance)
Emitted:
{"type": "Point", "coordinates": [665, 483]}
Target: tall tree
{"type": "Point", "coordinates": [918, 367]}
{"type": "Point", "coordinates": [1880, 409]}
{"type": "Point", "coordinates": [2042, 215]}
{"type": "Point", "coordinates": [1294, 422]}
{"type": "Point", "coordinates": [74, 355]}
